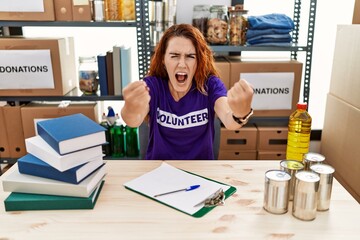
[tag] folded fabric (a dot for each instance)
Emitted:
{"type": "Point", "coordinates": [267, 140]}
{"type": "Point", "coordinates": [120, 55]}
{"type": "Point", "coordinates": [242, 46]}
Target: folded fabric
{"type": "Point", "coordinates": [250, 33]}
{"type": "Point", "coordinates": [270, 38]}
{"type": "Point", "coordinates": [274, 20]}
{"type": "Point", "coordinates": [271, 44]}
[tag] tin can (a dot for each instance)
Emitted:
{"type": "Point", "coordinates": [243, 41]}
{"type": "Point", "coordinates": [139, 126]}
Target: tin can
{"type": "Point", "coordinates": [276, 191]}
{"type": "Point", "coordinates": [291, 167]}
{"type": "Point", "coordinates": [326, 179]}
{"type": "Point", "coordinates": [305, 195]}
{"type": "Point", "coordinates": [311, 158]}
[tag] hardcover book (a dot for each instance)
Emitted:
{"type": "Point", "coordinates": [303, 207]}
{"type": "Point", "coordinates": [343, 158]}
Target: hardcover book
{"type": "Point", "coordinates": [117, 69]}
{"type": "Point", "coordinates": [71, 133]}
{"type": "Point", "coordinates": [39, 148]}
{"type": "Point", "coordinates": [28, 201]}
{"type": "Point", "coordinates": [29, 164]}
{"type": "Point", "coordinates": [102, 72]}
{"type": "Point", "coordinates": [126, 67]}
{"type": "Point", "coordinates": [14, 181]}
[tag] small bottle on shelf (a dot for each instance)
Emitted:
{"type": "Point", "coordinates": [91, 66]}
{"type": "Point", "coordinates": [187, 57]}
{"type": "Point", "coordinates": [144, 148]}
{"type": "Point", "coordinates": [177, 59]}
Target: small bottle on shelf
{"type": "Point", "coordinates": [118, 141]}
{"type": "Point", "coordinates": [106, 148]}
{"type": "Point", "coordinates": [132, 141]}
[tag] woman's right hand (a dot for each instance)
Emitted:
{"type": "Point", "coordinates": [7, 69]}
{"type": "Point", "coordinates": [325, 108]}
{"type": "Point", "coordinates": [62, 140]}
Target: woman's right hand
{"type": "Point", "coordinates": [136, 107]}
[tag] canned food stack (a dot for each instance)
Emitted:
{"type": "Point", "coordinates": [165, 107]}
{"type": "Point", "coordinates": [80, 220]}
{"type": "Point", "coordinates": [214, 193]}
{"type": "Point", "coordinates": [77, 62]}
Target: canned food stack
{"type": "Point", "coordinates": [308, 185]}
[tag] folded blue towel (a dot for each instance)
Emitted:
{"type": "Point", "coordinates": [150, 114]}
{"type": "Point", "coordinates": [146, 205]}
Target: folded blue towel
{"type": "Point", "coordinates": [250, 33]}
{"type": "Point", "coordinates": [270, 39]}
{"type": "Point", "coordinates": [274, 20]}
{"type": "Point", "coordinates": [271, 44]}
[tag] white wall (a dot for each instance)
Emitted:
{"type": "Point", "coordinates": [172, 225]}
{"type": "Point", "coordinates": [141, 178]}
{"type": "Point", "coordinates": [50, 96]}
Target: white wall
{"type": "Point", "coordinates": [91, 41]}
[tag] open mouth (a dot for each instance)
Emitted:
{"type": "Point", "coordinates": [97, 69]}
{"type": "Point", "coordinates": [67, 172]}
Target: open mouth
{"type": "Point", "coordinates": [181, 77]}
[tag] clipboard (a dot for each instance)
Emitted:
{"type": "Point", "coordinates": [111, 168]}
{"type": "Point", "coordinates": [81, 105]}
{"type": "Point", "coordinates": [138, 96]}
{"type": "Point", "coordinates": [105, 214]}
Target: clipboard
{"type": "Point", "coordinates": [143, 184]}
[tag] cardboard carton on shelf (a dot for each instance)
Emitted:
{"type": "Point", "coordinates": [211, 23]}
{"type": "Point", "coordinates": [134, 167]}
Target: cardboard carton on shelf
{"type": "Point", "coordinates": [276, 84]}
{"type": "Point", "coordinates": [37, 66]}
{"type": "Point", "coordinates": [30, 10]}
{"type": "Point", "coordinates": [33, 112]}
{"type": "Point", "coordinates": [223, 66]}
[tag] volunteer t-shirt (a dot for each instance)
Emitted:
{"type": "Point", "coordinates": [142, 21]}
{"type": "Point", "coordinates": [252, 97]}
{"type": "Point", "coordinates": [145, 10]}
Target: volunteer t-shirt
{"type": "Point", "coordinates": [182, 130]}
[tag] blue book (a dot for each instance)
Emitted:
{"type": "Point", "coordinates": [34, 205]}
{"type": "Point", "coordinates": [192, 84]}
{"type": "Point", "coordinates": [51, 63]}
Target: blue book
{"type": "Point", "coordinates": [126, 76]}
{"type": "Point", "coordinates": [28, 201]}
{"type": "Point", "coordinates": [29, 164]}
{"type": "Point", "coordinates": [101, 59]}
{"type": "Point", "coordinates": [71, 133]}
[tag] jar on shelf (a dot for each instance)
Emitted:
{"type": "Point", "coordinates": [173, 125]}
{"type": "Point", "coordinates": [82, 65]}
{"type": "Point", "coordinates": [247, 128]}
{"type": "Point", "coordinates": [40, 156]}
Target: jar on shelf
{"type": "Point", "coordinates": [217, 27]}
{"type": "Point", "coordinates": [201, 14]}
{"type": "Point", "coordinates": [88, 72]}
{"type": "Point", "coordinates": [238, 25]}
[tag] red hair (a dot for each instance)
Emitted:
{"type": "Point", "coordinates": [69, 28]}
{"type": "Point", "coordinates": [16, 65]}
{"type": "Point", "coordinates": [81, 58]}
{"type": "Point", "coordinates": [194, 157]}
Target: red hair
{"type": "Point", "coordinates": [204, 55]}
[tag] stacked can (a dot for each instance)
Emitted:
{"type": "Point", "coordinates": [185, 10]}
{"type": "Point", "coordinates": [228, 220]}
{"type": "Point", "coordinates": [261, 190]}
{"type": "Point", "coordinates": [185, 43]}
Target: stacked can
{"type": "Point", "coordinates": [276, 191]}
{"type": "Point", "coordinates": [305, 195]}
{"type": "Point", "coordinates": [291, 167]}
{"type": "Point", "coordinates": [325, 173]}
{"type": "Point", "coordinates": [311, 158]}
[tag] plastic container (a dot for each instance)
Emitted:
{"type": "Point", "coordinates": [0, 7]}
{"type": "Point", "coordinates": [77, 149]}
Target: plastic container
{"type": "Point", "coordinates": [218, 25]}
{"type": "Point", "coordinates": [237, 25]}
{"type": "Point", "coordinates": [299, 130]}
{"type": "Point", "coordinates": [88, 72]}
{"type": "Point", "coordinates": [201, 14]}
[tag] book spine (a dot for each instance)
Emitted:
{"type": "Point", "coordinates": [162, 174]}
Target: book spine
{"type": "Point", "coordinates": [102, 75]}
{"type": "Point", "coordinates": [47, 172]}
{"type": "Point", "coordinates": [47, 137]}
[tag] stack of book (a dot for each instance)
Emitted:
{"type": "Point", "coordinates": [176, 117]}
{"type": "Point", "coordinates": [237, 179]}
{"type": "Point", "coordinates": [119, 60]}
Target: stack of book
{"type": "Point", "coordinates": [63, 167]}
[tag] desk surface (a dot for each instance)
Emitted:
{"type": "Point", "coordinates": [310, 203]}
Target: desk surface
{"type": "Point", "coordinates": [124, 214]}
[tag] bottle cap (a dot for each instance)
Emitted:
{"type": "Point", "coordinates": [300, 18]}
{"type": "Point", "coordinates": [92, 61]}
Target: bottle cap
{"type": "Point", "coordinates": [302, 106]}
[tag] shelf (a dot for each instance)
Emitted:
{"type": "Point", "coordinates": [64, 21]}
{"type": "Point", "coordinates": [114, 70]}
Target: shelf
{"type": "Point", "coordinates": [74, 95]}
{"type": "Point", "coordinates": [66, 24]}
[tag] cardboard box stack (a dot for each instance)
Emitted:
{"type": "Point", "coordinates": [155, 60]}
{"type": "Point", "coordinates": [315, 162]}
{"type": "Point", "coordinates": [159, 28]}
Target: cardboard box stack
{"type": "Point", "coordinates": [65, 160]}
{"type": "Point", "coordinates": [340, 135]}
{"type": "Point", "coordinates": [238, 144]}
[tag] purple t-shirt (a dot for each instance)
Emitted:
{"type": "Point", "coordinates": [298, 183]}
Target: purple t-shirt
{"type": "Point", "coordinates": [182, 130]}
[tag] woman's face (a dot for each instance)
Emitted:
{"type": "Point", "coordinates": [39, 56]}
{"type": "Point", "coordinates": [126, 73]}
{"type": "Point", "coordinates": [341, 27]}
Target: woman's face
{"type": "Point", "coordinates": [180, 63]}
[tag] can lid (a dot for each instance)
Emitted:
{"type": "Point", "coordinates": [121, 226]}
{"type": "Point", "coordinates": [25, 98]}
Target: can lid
{"type": "Point", "coordinates": [314, 157]}
{"type": "Point", "coordinates": [322, 168]}
{"type": "Point", "coordinates": [278, 175]}
{"type": "Point", "coordinates": [307, 176]}
{"type": "Point", "coordinates": [291, 164]}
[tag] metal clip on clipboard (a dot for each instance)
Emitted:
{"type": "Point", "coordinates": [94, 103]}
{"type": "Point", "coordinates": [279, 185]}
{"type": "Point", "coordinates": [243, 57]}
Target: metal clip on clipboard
{"type": "Point", "coordinates": [216, 199]}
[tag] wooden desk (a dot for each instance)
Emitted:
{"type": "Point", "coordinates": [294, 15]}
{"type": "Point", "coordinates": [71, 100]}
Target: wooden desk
{"type": "Point", "coordinates": [123, 214]}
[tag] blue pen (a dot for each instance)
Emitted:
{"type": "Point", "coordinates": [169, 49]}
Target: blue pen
{"type": "Point", "coordinates": [179, 190]}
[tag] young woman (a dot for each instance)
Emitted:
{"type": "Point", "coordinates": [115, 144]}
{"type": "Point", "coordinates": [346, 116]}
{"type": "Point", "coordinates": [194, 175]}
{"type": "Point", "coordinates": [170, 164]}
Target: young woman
{"type": "Point", "coordinates": [181, 95]}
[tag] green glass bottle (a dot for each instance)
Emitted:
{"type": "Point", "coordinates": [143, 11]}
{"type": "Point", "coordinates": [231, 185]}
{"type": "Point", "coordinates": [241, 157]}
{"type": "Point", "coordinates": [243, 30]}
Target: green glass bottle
{"type": "Point", "coordinates": [118, 140]}
{"type": "Point", "coordinates": [132, 142]}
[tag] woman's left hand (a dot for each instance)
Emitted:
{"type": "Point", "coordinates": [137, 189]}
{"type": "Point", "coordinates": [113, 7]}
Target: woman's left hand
{"type": "Point", "coordinates": [240, 97]}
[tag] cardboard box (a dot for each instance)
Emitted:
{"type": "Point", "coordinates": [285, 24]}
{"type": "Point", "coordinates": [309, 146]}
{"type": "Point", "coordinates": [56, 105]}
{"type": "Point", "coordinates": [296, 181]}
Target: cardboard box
{"type": "Point", "coordinates": [237, 155]}
{"type": "Point", "coordinates": [271, 155]}
{"type": "Point", "coordinates": [276, 84]}
{"type": "Point", "coordinates": [30, 10]}
{"type": "Point", "coordinates": [32, 59]}
{"type": "Point", "coordinates": [34, 112]}
{"type": "Point", "coordinates": [63, 10]}
{"type": "Point", "coordinates": [345, 73]}
{"type": "Point", "coordinates": [242, 139]}
{"type": "Point", "coordinates": [4, 145]}
{"type": "Point", "coordinates": [223, 66]}
{"type": "Point", "coordinates": [340, 142]}
{"type": "Point", "coordinates": [81, 10]}
{"type": "Point", "coordinates": [356, 15]}
{"type": "Point", "coordinates": [272, 138]}
{"type": "Point", "coordinates": [15, 133]}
